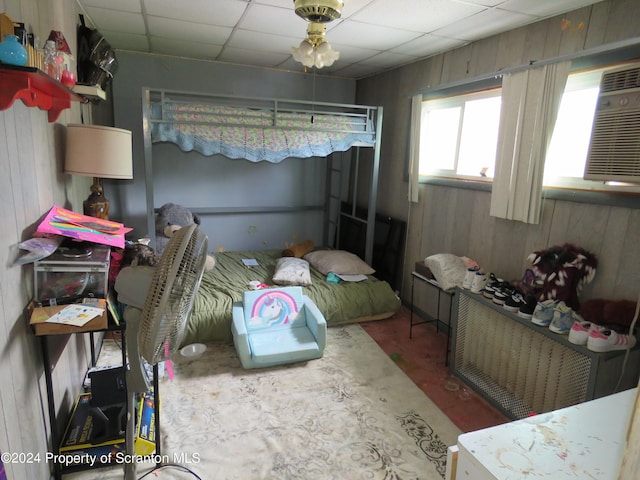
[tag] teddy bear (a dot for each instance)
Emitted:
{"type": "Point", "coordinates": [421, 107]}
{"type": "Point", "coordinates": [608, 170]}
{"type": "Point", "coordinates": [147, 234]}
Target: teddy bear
{"type": "Point", "coordinates": [170, 218]}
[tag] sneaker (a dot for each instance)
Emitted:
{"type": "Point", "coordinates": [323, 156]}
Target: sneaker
{"type": "Point", "coordinates": [563, 319]}
{"type": "Point", "coordinates": [479, 282]}
{"type": "Point", "coordinates": [503, 293]}
{"type": "Point", "coordinates": [468, 277]}
{"type": "Point", "coordinates": [514, 302]}
{"type": "Point", "coordinates": [493, 282]}
{"type": "Point", "coordinates": [605, 340]}
{"type": "Point", "coordinates": [580, 331]}
{"type": "Point", "coordinates": [526, 310]}
{"type": "Point", "coordinates": [543, 313]}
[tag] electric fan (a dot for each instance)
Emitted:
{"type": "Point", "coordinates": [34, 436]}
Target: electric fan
{"type": "Point", "coordinates": [159, 300]}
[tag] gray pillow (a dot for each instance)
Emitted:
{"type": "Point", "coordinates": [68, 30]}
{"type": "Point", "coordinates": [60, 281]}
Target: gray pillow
{"type": "Point", "coordinates": [339, 262]}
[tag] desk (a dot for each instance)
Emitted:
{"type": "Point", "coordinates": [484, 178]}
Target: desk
{"type": "Point", "coordinates": [583, 441]}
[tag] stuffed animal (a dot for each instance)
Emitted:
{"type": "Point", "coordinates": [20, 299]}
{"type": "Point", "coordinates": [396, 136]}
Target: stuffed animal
{"type": "Point", "coordinates": [609, 312]}
{"type": "Point", "coordinates": [563, 269]}
{"type": "Point", "coordinates": [171, 218]}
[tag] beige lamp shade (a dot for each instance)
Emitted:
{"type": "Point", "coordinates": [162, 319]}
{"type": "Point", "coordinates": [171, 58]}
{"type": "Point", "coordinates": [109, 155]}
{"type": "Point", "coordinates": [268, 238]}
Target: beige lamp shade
{"type": "Point", "coordinates": [98, 151]}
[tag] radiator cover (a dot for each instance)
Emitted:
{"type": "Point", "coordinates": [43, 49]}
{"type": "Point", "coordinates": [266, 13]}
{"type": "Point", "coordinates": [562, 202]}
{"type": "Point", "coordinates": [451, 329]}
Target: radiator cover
{"type": "Point", "coordinates": [522, 368]}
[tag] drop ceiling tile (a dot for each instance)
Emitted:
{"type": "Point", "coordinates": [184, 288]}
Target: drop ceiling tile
{"type": "Point", "coordinates": [416, 15]}
{"type": "Point", "coordinates": [212, 12]}
{"type": "Point", "coordinates": [388, 60]}
{"type": "Point", "coordinates": [484, 24]}
{"type": "Point", "coordinates": [180, 30]}
{"type": "Point", "coordinates": [116, 21]}
{"type": "Point", "coordinates": [126, 41]}
{"type": "Point", "coordinates": [428, 44]}
{"type": "Point", "coordinates": [252, 57]}
{"type": "Point", "coordinates": [544, 8]}
{"type": "Point", "coordinates": [274, 20]}
{"type": "Point", "coordinates": [262, 42]}
{"type": "Point", "coordinates": [363, 35]}
{"type": "Point", "coordinates": [483, 3]}
{"type": "Point", "coordinates": [184, 48]}
{"type": "Point", "coordinates": [349, 54]}
{"type": "Point", "coordinates": [120, 5]}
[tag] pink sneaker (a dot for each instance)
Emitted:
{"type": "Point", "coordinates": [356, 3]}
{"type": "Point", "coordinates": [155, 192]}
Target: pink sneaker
{"type": "Point", "coordinates": [603, 340]}
{"type": "Point", "coordinates": [579, 333]}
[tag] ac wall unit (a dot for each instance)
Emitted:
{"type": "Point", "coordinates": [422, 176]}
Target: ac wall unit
{"type": "Point", "coordinates": [614, 151]}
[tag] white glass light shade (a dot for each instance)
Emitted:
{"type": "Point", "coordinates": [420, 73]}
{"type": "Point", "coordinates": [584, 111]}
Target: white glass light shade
{"type": "Point", "coordinates": [315, 56]}
{"type": "Point", "coordinates": [98, 151]}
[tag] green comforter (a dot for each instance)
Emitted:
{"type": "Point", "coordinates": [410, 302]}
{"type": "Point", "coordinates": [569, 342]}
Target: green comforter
{"type": "Point", "coordinates": [341, 303]}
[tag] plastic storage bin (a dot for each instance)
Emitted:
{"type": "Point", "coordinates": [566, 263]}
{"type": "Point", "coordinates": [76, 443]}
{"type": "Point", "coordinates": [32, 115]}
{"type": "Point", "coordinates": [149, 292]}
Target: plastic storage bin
{"type": "Point", "coordinates": [70, 273]}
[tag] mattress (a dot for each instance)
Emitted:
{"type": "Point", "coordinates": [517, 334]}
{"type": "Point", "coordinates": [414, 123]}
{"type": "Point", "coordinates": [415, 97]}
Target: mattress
{"type": "Point", "coordinates": [346, 302]}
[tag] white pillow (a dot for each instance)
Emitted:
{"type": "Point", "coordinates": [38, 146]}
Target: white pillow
{"type": "Point", "coordinates": [292, 271]}
{"type": "Point", "coordinates": [448, 269]}
{"type": "Point", "coordinates": [339, 262]}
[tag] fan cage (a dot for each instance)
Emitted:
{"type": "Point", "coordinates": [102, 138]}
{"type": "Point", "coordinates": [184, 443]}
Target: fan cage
{"type": "Point", "coordinates": [517, 368]}
{"type": "Point", "coordinates": [171, 294]}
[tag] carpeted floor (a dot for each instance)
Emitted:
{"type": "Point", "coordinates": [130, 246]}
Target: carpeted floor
{"type": "Point", "coordinates": [352, 414]}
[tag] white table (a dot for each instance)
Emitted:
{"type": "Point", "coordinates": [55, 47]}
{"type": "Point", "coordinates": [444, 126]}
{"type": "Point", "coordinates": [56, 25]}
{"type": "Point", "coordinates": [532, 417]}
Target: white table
{"type": "Point", "coordinates": [586, 441]}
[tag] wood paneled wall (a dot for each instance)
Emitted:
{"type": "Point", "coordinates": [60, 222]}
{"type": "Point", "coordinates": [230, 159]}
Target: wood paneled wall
{"type": "Point", "coordinates": [32, 180]}
{"type": "Point", "coordinates": [456, 220]}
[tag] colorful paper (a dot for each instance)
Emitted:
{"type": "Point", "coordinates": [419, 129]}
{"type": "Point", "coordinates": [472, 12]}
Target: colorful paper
{"type": "Point", "coordinates": [77, 314]}
{"type": "Point", "coordinates": [61, 221]}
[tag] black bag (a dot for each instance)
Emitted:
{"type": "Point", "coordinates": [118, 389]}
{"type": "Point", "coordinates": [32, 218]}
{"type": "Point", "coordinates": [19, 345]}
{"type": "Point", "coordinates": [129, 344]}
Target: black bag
{"type": "Point", "coordinates": [97, 62]}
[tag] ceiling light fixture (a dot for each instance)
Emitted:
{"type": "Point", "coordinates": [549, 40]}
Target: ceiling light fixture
{"type": "Point", "coordinates": [318, 11]}
{"type": "Point", "coordinates": [315, 51]}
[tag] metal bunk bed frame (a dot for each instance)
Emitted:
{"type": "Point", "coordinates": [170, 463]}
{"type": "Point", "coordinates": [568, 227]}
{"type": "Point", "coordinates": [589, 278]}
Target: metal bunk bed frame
{"type": "Point", "coordinates": [372, 117]}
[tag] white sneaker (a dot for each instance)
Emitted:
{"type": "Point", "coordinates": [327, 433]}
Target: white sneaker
{"type": "Point", "coordinates": [603, 340]}
{"type": "Point", "coordinates": [468, 277]}
{"type": "Point", "coordinates": [579, 333]}
{"type": "Point", "coordinates": [479, 282]}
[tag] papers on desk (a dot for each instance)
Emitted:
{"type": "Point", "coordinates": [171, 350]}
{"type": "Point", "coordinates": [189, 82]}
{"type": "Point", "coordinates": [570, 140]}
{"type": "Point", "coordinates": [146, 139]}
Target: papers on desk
{"type": "Point", "coordinates": [76, 314]}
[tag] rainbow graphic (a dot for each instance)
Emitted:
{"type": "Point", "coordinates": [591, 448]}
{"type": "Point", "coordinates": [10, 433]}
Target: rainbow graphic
{"type": "Point", "coordinates": [274, 308]}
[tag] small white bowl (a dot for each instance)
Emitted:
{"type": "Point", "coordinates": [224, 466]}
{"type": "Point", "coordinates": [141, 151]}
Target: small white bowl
{"type": "Point", "coordinates": [193, 351]}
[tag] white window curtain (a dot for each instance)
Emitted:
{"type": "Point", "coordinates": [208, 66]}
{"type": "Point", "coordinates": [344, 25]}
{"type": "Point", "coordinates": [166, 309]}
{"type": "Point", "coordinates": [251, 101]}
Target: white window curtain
{"type": "Point", "coordinates": [414, 147]}
{"type": "Point", "coordinates": [530, 103]}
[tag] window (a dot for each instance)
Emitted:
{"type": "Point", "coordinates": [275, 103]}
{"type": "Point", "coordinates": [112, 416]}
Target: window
{"type": "Point", "coordinates": [567, 153]}
{"type": "Point", "coordinates": [459, 135]}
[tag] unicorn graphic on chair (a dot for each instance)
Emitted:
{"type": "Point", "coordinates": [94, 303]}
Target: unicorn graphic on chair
{"type": "Point", "coordinates": [273, 308]}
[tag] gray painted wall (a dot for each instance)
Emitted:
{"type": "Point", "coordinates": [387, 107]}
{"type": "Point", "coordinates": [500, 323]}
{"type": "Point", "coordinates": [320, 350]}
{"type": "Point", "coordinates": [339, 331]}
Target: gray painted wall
{"type": "Point", "coordinates": [195, 181]}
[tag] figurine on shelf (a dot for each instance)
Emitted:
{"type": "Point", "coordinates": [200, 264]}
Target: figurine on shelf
{"type": "Point", "coordinates": [52, 60]}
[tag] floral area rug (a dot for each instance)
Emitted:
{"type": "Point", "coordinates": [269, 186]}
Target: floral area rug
{"type": "Point", "coordinates": [352, 414]}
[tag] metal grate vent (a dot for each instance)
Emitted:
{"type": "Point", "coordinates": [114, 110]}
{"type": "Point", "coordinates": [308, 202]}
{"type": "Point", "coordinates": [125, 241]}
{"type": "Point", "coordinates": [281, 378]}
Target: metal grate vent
{"type": "Point", "coordinates": [614, 150]}
{"type": "Point", "coordinates": [520, 370]}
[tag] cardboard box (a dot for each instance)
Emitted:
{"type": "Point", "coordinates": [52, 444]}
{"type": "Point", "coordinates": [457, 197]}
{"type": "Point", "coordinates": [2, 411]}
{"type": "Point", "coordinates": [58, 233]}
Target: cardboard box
{"type": "Point", "coordinates": [40, 315]}
{"type": "Point", "coordinates": [88, 424]}
{"type": "Point", "coordinates": [7, 26]}
{"type": "Point", "coordinates": [145, 441]}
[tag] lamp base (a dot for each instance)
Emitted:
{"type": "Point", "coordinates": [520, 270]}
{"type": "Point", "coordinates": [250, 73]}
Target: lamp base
{"type": "Point", "coordinates": [96, 205]}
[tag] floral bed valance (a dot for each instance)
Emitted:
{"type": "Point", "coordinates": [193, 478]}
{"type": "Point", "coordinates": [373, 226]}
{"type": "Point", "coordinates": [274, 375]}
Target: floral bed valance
{"type": "Point", "coordinates": [258, 134]}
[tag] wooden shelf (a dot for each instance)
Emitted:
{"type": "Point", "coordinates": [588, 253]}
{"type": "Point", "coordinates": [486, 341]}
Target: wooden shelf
{"type": "Point", "coordinates": [35, 89]}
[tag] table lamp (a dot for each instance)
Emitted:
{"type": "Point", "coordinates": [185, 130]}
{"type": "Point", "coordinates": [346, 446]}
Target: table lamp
{"type": "Point", "coordinates": [99, 152]}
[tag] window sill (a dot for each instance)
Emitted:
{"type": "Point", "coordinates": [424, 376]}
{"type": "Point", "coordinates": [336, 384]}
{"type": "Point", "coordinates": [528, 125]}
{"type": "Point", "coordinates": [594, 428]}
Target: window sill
{"type": "Point", "coordinates": [601, 197]}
